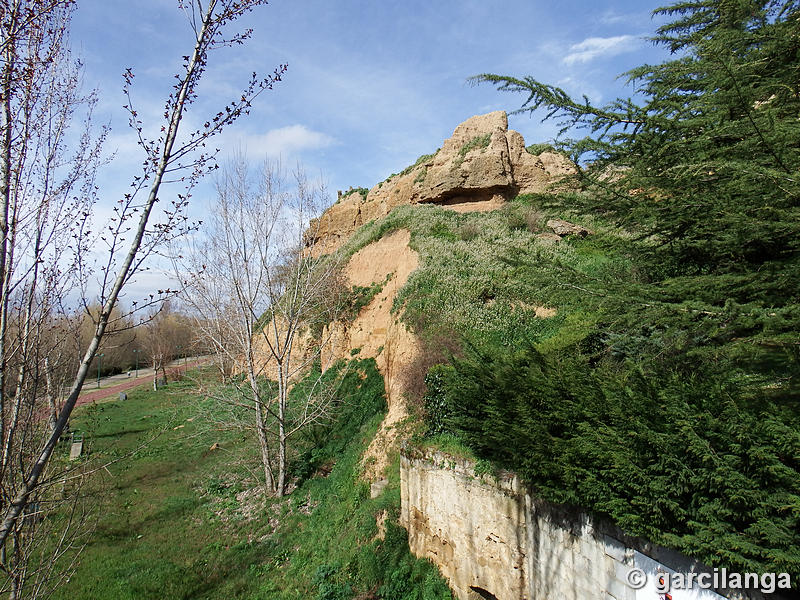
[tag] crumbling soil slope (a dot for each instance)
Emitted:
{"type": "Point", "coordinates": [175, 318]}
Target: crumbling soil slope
{"type": "Point", "coordinates": [380, 334]}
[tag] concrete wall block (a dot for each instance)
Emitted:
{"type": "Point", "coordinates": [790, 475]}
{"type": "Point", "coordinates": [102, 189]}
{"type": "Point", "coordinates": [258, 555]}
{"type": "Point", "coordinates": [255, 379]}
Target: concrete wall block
{"type": "Point", "coordinates": [614, 548]}
{"type": "Point", "coordinates": [619, 590]}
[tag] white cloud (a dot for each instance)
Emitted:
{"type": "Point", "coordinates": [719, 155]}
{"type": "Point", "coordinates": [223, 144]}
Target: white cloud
{"type": "Point", "coordinates": [285, 141]}
{"type": "Point", "coordinates": [593, 47]}
{"type": "Point", "coordinates": [611, 17]}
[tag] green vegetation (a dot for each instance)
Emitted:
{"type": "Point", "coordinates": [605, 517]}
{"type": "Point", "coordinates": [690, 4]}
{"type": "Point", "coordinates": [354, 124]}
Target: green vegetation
{"type": "Point", "coordinates": [421, 160]}
{"type": "Point", "coordinates": [361, 191]}
{"type": "Point", "coordinates": [181, 520]}
{"type": "Point", "coordinates": [666, 393]}
{"type": "Point", "coordinates": [478, 142]}
{"type": "Point", "coordinates": [360, 296]}
{"type": "Point", "coordinates": [537, 149]}
{"type": "Point", "coordinates": [663, 391]}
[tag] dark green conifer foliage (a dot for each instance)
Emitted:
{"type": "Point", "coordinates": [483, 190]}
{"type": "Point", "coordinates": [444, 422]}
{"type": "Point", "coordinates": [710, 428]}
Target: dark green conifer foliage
{"type": "Point", "coordinates": [689, 463]}
{"type": "Point", "coordinates": [708, 162]}
{"type": "Point", "coordinates": [679, 417]}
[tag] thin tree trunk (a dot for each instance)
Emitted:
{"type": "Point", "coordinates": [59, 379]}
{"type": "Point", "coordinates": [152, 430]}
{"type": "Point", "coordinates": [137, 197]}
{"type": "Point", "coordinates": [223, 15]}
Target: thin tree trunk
{"type": "Point", "coordinates": [15, 507]}
{"type": "Point", "coordinates": [261, 430]}
{"type": "Point", "coordinates": [5, 203]}
{"type": "Point", "coordinates": [52, 402]}
{"type": "Point", "coordinates": [283, 392]}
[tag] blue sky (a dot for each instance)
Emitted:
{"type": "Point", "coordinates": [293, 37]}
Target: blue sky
{"type": "Point", "coordinates": [371, 84]}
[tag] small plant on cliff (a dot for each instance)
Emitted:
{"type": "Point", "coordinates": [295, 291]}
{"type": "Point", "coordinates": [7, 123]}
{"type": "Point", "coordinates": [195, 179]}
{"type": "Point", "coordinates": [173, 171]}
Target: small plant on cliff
{"type": "Point", "coordinates": [421, 160]}
{"type": "Point", "coordinates": [478, 142]}
{"type": "Point", "coordinates": [537, 149]}
{"type": "Point", "coordinates": [361, 296]}
{"type": "Point", "coordinates": [361, 191]}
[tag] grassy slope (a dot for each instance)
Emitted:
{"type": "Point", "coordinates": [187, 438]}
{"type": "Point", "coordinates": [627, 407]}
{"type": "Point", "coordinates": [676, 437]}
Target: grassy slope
{"type": "Point", "coordinates": [171, 525]}
{"type": "Point", "coordinates": [486, 272]}
{"type": "Point", "coordinates": [665, 379]}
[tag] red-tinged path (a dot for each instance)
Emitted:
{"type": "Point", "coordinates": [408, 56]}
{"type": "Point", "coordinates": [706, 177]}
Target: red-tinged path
{"type": "Point", "coordinates": [89, 396]}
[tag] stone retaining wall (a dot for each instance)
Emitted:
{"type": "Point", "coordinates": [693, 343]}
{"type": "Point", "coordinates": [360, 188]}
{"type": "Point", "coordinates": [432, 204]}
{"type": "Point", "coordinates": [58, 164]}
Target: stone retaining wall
{"type": "Point", "coordinates": [491, 539]}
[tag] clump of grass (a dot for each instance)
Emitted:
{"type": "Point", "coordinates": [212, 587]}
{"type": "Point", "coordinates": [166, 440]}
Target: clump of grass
{"type": "Point", "coordinates": [515, 220]}
{"type": "Point", "coordinates": [469, 231]}
{"type": "Point", "coordinates": [361, 296]}
{"type": "Point", "coordinates": [421, 160]}
{"type": "Point", "coordinates": [361, 191]}
{"type": "Point", "coordinates": [534, 219]}
{"type": "Point", "coordinates": [479, 141]}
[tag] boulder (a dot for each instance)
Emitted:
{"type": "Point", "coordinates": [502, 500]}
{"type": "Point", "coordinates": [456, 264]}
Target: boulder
{"type": "Point", "coordinates": [564, 228]}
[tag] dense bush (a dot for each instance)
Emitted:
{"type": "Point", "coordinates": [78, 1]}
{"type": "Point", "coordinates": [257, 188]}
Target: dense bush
{"type": "Point", "coordinates": [689, 462]}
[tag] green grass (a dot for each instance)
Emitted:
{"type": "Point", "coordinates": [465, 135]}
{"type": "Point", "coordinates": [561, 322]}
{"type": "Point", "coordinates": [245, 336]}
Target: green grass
{"type": "Point", "coordinates": [422, 159]}
{"type": "Point", "coordinates": [178, 520]}
{"type": "Point", "coordinates": [488, 271]}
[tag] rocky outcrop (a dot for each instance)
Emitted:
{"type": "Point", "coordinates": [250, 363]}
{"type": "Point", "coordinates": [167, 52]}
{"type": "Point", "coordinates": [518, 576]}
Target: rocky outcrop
{"type": "Point", "coordinates": [481, 166]}
{"type": "Point", "coordinates": [564, 228]}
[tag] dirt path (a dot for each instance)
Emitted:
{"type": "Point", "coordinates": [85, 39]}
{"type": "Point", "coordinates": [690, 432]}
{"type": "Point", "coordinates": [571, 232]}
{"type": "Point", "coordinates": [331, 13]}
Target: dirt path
{"type": "Point", "coordinates": [114, 390]}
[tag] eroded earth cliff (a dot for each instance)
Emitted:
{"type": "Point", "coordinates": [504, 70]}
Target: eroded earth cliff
{"type": "Point", "coordinates": [480, 167]}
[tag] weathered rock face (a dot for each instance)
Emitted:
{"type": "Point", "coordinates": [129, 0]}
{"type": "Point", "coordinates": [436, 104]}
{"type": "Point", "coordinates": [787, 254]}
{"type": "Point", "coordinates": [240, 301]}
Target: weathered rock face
{"type": "Point", "coordinates": [564, 228]}
{"type": "Point", "coordinates": [474, 160]}
{"type": "Point", "coordinates": [480, 167]}
{"type": "Point", "coordinates": [473, 530]}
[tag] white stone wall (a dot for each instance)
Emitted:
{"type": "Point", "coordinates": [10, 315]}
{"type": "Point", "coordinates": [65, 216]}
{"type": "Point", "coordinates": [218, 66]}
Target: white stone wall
{"type": "Point", "coordinates": [568, 559]}
{"type": "Point", "coordinates": [490, 538]}
{"type": "Point", "coordinates": [472, 528]}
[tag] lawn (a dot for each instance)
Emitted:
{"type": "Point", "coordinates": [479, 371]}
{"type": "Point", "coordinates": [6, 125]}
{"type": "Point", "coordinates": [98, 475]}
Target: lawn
{"type": "Point", "coordinates": [177, 519]}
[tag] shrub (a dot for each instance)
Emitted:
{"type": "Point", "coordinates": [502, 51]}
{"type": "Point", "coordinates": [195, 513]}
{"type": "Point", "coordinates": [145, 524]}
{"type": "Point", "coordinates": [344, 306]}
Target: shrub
{"type": "Point", "coordinates": [437, 413]}
{"type": "Point", "coordinates": [537, 149]}
{"type": "Point", "coordinates": [534, 219]}
{"type": "Point", "coordinates": [469, 231]}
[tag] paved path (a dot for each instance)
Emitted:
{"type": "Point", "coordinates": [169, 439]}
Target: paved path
{"type": "Point", "coordinates": [106, 391]}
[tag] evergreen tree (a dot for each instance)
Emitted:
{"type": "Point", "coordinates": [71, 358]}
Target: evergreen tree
{"type": "Point", "coordinates": [708, 162]}
{"type": "Point", "coordinates": [679, 415]}
{"type": "Point", "coordinates": [705, 169]}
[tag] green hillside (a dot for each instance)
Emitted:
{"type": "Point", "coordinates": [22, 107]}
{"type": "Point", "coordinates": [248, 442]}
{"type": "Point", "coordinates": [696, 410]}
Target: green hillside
{"type": "Point", "coordinates": [178, 518]}
{"type": "Point", "coordinates": [665, 393]}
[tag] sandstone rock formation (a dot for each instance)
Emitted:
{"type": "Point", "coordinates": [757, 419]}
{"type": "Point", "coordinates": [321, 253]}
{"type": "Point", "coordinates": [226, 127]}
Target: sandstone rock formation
{"type": "Point", "coordinates": [564, 228]}
{"type": "Point", "coordinates": [480, 167]}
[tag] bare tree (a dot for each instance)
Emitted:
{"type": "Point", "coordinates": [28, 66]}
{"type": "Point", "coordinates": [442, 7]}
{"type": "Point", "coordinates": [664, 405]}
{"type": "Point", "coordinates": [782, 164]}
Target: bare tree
{"type": "Point", "coordinates": [164, 334]}
{"type": "Point", "coordinates": [48, 246]}
{"type": "Point", "coordinates": [259, 292]}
